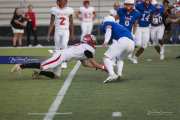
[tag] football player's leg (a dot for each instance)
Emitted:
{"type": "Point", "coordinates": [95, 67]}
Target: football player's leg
{"type": "Point", "coordinates": [65, 39]}
{"type": "Point", "coordinates": [19, 67]}
{"type": "Point", "coordinates": [109, 61]}
{"type": "Point", "coordinates": [52, 62]}
{"type": "Point", "coordinates": [145, 39]}
{"type": "Point", "coordinates": [119, 66]}
{"type": "Point", "coordinates": [57, 42]}
{"type": "Point", "coordinates": [126, 47]}
{"type": "Point", "coordinates": [138, 42]}
{"type": "Point", "coordinates": [57, 71]}
{"type": "Point", "coordinates": [83, 30]}
{"type": "Point", "coordinates": [45, 73]}
{"type": "Point", "coordinates": [89, 28]}
{"type": "Point", "coordinates": [161, 42]}
{"type": "Point", "coordinates": [154, 38]}
{"type": "Point", "coordinates": [50, 73]}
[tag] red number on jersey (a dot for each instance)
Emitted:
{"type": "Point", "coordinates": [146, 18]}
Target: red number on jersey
{"type": "Point", "coordinates": [62, 19]}
{"type": "Point", "coordinates": [87, 15]}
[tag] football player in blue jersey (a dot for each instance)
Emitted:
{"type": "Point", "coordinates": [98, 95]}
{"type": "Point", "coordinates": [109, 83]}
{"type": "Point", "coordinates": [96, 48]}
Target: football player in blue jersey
{"type": "Point", "coordinates": [121, 47]}
{"type": "Point", "coordinates": [143, 30]}
{"type": "Point", "coordinates": [157, 28]}
{"type": "Point", "coordinates": [128, 16]}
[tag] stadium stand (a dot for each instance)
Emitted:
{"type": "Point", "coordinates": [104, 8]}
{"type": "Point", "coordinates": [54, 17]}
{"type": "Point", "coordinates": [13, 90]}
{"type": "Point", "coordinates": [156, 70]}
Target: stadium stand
{"type": "Point", "coordinates": [42, 8]}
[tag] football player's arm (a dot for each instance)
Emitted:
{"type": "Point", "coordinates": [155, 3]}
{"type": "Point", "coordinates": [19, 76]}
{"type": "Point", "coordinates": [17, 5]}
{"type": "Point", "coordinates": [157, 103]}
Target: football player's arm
{"type": "Point", "coordinates": [78, 15]}
{"type": "Point", "coordinates": [135, 27]}
{"type": "Point", "coordinates": [91, 62]}
{"type": "Point", "coordinates": [71, 27]}
{"type": "Point", "coordinates": [117, 17]}
{"type": "Point", "coordinates": [51, 26]}
{"type": "Point", "coordinates": [107, 35]}
{"type": "Point", "coordinates": [94, 15]}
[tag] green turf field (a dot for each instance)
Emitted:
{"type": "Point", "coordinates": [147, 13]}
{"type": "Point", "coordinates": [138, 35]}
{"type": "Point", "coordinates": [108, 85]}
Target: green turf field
{"type": "Point", "coordinates": [149, 90]}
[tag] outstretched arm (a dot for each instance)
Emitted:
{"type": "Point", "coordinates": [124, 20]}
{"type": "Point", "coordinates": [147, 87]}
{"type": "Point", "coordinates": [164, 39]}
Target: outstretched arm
{"type": "Point", "coordinates": [51, 26]}
{"type": "Point", "coordinates": [92, 63]}
{"type": "Point", "coordinates": [71, 27]}
{"type": "Point", "coordinates": [107, 36]}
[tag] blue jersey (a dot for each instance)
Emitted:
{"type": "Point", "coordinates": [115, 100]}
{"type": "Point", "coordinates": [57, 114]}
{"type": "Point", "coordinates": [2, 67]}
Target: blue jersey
{"type": "Point", "coordinates": [118, 30]}
{"type": "Point", "coordinates": [127, 19]}
{"type": "Point", "coordinates": [157, 16]}
{"type": "Point", "coordinates": [146, 12]}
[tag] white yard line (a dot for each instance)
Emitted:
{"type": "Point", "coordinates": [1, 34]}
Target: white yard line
{"type": "Point", "coordinates": [62, 92]}
{"type": "Point", "coordinates": [42, 114]}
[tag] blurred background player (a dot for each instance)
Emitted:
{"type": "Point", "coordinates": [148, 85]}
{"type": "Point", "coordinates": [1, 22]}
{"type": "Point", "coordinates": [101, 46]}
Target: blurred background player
{"type": "Point", "coordinates": [84, 52]}
{"type": "Point", "coordinates": [62, 19]}
{"type": "Point", "coordinates": [157, 28]}
{"type": "Point", "coordinates": [128, 16]}
{"type": "Point", "coordinates": [143, 30]}
{"type": "Point", "coordinates": [17, 24]}
{"type": "Point", "coordinates": [121, 47]}
{"type": "Point", "coordinates": [116, 6]}
{"type": "Point", "coordinates": [86, 15]}
{"type": "Point", "coordinates": [31, 27]}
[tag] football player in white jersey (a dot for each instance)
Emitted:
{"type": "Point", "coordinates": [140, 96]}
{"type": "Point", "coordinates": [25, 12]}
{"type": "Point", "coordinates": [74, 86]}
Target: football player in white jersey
{"type": "Point", "coordinates": [86, 15]}
{"type": "Point", "coordinates": [84, 52]}
{"type": "Point", "coordinates": [62, 20]}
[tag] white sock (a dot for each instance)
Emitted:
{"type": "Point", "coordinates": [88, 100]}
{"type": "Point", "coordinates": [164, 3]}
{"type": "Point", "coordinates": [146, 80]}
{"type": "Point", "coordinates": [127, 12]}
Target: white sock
{"type": "Point", "coordinates": [162, 50]}
{"type": "Point", "coordinates": [109, 65]}
{"type": "Point", "coordinates": [119, 66]}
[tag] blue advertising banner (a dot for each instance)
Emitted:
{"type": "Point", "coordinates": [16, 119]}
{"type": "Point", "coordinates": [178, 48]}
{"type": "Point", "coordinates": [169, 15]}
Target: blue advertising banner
{"type": "Point", "coordinates": [19, 59]}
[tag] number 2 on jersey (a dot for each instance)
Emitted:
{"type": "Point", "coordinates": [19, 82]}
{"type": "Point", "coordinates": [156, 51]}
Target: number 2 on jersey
{"type": "Point", "coordinates": [62, 20]}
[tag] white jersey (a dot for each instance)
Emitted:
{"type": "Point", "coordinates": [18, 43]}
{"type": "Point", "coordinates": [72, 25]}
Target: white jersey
{"type": "Point", "coordinates": [74, 52]}
{"type": "Point", "coordinates": [87, 14]}
{"type": "Point", "coordinates": [77, 52]}
{"type": "Point", "coordinates": [61, 17]}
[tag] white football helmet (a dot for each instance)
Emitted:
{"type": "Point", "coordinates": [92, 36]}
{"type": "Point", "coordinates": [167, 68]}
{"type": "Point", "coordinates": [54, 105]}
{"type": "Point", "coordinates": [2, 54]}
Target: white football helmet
{"type": "Point", "coordinates": [109, 19]}
{"type": "Point", "coordinates": [129, 2]}
{"type": "Point", "coordinates": [154, 2]}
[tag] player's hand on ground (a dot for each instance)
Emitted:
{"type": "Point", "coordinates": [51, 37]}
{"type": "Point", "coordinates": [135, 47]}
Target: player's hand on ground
{"type": "Point", "coordinates": [103, 68]}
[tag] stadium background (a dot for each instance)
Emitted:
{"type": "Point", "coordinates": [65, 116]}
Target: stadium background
{"type": "Point", "coordinates": [41, 7]}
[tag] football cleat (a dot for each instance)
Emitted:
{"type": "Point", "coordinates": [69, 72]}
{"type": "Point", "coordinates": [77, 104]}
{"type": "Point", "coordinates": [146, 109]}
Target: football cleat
{"type": "Point", "coordinates": [16, 68]}
{"type": "Point", "coordinates": [111, 78]}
